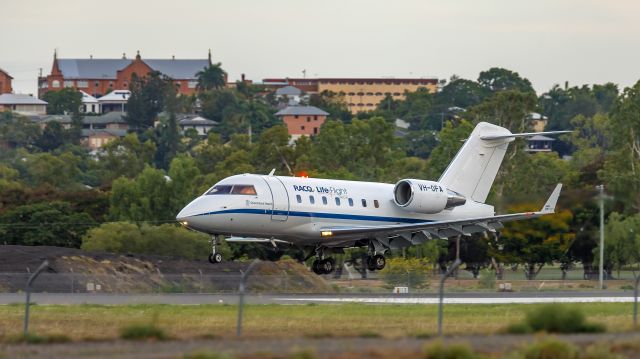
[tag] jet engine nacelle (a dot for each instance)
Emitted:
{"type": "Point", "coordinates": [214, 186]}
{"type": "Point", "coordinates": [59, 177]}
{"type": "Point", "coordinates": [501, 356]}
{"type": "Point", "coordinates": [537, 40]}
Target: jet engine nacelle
{"type": "Point", "coordinates": [428, 197]}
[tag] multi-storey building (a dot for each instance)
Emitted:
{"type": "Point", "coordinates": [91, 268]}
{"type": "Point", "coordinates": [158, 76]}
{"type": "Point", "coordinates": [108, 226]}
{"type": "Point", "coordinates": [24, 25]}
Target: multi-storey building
{"type": "Point", "coordinates": [360, 94]}
{"type": "Point", "coordinates": [5, 82]}
{"type": "Point", "coordinates": [97, 77]}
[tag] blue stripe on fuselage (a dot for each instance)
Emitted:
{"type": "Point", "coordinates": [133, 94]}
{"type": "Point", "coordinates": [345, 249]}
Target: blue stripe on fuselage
{"type": "Point", "coordinates": [354, 217]}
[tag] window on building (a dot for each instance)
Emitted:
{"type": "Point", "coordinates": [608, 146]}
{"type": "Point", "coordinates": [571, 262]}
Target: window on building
{"type": "Point", "coordinates": [378, 93]}
{"type": "Point", "coordinates": [192, 84]}
{"type": "Point", "coordinates": [315, 130]}
{"type": "Point", "coordinates": [364, 202]}
{"type": "Point", "coordinates": [376, 204]}
{"type": "Point", "coordinates": [308, 119]}
{"type": "Point", "coordinates": [315, 117]}
{"type": "Point", "coordinates": [352, 93]}
{"type": "Point", "coordinates": [302, 127]}
{"type": "Point", "coordinates": [312, 199]}
{"type": "Point", "coordinates": [96, 84]}
{"type": "Point", "coordinates": [55, 83]}
{"type": "Point", "coordinates": [396, 94]}
{"type": "Point", "coordinates": [360, 104]}
{"type": "Point", "coordinates": [299, 198]}
{"type": "Point", "coordinates": [295, 116]}
{"type": "Point", "coordinates": [324, 200]}
{"type": "Point", "coordinates": [337, 201]}
{"type": "Point", "coordinates": [350, 202]}
{"type": "Point", "coordinates": [369, 104]}
{"type": "Point", "coordinates": [369, 93]}
{"type": "Point", "coordinates": [68, 83]}
{"type": "Point", "coordinates": [110, 83]}
{"type": "Point", "coordinates": [83, 83]}
{"type": "Point", "coordinates": [360, 93]}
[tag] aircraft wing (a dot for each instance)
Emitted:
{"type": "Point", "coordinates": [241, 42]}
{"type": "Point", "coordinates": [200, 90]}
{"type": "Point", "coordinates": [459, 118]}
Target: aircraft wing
{"type": "Point", "coordinates": [442, 229]}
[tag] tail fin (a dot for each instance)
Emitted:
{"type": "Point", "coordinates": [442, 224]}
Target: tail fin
{"type": "Point", "coordinates": [475, 166]}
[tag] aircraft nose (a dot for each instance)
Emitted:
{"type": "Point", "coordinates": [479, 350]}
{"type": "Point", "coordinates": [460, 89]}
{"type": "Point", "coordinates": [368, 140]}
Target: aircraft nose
{"type": "Point", "coordinates": [197, 206]}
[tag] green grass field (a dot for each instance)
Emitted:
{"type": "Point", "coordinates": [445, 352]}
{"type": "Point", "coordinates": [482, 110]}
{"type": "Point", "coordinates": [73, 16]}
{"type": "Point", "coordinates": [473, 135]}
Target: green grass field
{"type": "Point", "coordinates": [94, 322]}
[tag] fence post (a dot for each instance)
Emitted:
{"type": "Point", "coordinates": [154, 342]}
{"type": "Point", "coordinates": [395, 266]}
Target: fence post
{"type": "Point", "coordinates": [33, 277]}
{"type": "Point", "coordinates": [243, 279]}
{"type": "Point", "coordinates": [635, 303]}
{"type": "Point", "coordinates": [453, 267]}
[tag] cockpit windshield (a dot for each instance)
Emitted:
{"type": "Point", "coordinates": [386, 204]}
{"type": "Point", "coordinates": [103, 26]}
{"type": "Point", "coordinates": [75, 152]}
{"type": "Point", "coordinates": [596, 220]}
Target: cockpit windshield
{"type": "Point", "coordinates": [233, 189]}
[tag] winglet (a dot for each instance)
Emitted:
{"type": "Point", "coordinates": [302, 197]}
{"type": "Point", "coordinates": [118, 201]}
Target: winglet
{"type": "Point", "coordinates": [272, 172]}
{"type": "Point", "coordinates": [550, 206]}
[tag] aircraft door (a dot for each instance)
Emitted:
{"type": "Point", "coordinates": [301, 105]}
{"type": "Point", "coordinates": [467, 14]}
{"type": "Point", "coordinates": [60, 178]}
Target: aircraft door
{"type": "Point", "coordinates": [280, 198]}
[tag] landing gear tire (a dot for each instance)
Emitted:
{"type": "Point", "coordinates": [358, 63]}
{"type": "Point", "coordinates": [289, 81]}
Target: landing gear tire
{"type": "Point", "coordinates": [323, 266]}
{"type": "Point", "coordinates": [379, 261]}
{"type": "Point", "coordinates": [215, 258]}
{"type": "Point", "coordinates": [376, 262]}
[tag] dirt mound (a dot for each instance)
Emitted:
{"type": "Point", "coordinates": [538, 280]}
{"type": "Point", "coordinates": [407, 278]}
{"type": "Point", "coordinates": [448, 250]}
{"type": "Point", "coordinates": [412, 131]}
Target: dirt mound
{"type": "Point", "coordinates": [74, 270]}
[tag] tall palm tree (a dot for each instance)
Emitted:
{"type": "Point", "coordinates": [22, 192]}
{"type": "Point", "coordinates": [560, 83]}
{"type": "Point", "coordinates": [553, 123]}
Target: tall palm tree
{"type": "Point", "coordinates": [211, 77]}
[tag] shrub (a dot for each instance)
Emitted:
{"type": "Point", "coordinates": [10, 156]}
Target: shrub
{"type": "Point", "coordinates": [487, 279]}
{"type": "Point", "coordinates": [550, 349]}
{"type": "Point", "coordinates": [303, 354]}
{"type": "Point", "coordinates": [438, 350]}
{"type": "Point", "coordinates": [206, 355]}
{"type": "Point", "coordinates": [601, 351]}
{"type": "Point", "coordinates": [555, 318]}
{"type": "Point", "coordinates": [32, 338]}
{"type": "Point", "coordinates": [143, 332]}
{"type": "Point", "coordinates": [411, 272]}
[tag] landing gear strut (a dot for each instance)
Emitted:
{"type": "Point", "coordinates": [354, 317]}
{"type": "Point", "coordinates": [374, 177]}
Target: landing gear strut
{"type": "Point", "coordinates": [215, 256]}
{"type": "Point", "coordinates": [323, 265]}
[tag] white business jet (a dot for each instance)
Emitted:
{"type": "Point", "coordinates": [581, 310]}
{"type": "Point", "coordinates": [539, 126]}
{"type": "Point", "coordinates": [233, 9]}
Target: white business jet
{"type": "Point", "coordinates": [324, 216]}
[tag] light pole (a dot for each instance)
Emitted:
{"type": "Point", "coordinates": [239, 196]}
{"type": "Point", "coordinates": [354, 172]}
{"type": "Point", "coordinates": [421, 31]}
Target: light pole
{"type": "Point", "coordinates": [601, 262]}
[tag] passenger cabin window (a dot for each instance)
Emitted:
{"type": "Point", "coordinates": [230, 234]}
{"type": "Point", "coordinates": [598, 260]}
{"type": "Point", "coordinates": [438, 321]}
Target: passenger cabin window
{"type": "Point", "coordinates": [350, 202]}
{"type": "Point", "coordinates": [299, 198]}
{"type": "Point", "coordinates": [324, 200]}
{"type": "Point", "coordinates": [376, 204]}
{"type": "Point", "coordinates": [337, 201]}
{"type": "Point", "coordinates": [312, 199]}
{"type": "Point", "coordinates": [364, 202]}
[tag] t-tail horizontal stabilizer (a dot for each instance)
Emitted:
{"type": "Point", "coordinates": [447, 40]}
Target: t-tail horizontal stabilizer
{"type": "Point", "coordinates": [517, 135]}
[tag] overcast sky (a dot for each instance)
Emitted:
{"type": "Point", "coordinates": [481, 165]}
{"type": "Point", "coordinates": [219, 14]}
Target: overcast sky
{"type": "Point", "coordinates": [547, 41]}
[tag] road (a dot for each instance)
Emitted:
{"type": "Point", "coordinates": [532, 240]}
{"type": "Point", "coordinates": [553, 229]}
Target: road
{"type": "Point", "coordinates": [427, 298]}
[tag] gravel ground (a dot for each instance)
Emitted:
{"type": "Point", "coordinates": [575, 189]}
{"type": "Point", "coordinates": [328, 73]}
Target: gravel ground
{"type": "Point", "coordinates": [323, 347]}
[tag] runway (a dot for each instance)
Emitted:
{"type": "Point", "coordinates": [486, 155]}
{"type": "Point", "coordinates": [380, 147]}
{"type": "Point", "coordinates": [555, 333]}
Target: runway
{"type": "Point", "coordinates": [293, 299]}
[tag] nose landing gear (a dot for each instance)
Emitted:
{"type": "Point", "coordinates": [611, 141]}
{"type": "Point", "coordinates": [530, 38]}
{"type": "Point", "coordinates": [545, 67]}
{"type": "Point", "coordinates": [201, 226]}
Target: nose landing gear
{"type": "Point", "coordinates": [215, 256]}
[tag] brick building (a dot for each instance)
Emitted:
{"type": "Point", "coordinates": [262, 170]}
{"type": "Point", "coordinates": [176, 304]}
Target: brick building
{"type": "Point", "coordinates": [5, 82]}
{"type": "Point", "coordinates": [360, 94]}
{"type": "Point", "coordinates": [97, 77]}
{"type": "Point", "coordinates": [302, 120]}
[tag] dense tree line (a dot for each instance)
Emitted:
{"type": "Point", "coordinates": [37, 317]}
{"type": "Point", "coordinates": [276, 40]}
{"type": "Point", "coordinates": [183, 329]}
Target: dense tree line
{"type": "Point", "coordinates": [52, 191]}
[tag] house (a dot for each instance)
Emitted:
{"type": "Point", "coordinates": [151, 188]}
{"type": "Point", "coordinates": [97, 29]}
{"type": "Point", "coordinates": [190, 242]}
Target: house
{"type": "Point", "coordinates": [302, 120]}
{"type": "Point", "coordinates": [539, 143]}
{"type": "Point", "coordinates": [94, 139]}
{"type": "Point", "coordinates": [110, 121]}
{"type": "Point", "coordinates": [5, 82]}
{"type": "Point", "coordinates": [99, 76]}
{"type": "Point", "coordinates": [90, 104]}
{"type": "Point", "coordinates": [538, 121]}
{"type": "Point", "coordinates": [43, 121]}
{"type": "Point", "coordinates": [22, 104]}
{"type": "Point", "coordinates": [114, 101]}
{"type": "Point", "coordinates": [360, 94]}
{"type": "Point", "coordinates": [289, 93]}
{"type": "Point", "coordinates": [200, 124]}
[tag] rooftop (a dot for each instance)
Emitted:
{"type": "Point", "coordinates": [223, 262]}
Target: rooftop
{"type": "Point", "coordinates": [302, 110]}
{"type": "Point", "coordinates": [116, 95]}
{"type": "Point", "coordinates": [196, 121]}
{"type": "Point", "coordinates": [288, 91]}
{"type": "Point", "coordinates": [17, 99]}
{"type": "Point", "coordinates": [108, 68]}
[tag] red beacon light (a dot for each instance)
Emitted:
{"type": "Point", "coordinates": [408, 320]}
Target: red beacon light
{"type": "Point", "coordinates": [302, 174]}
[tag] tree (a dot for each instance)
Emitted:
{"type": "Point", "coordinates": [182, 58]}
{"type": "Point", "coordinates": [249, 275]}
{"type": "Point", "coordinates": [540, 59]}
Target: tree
{"type": "Point", "coordinates": [162, 240]}
{"type": "Point", "coordinates": [63, 102]}
{"type": "Point", "coordinates": [534, 243]}
{"type": "Point", "coordinates": [59, 171]}
{"type": "Point", "coordinates": [212, 77]}
{"type": "Point", "coordinates": [53, 136]}
{"type": "Point", "coordinates": [18, 131]}
{"type": "Point", "coordinates": [146, 198]}
{"type": "Point", "coordinates": [44, 224]}
{"type": "Point", "coordinates": [499, 79]}
{"type": "Point", "coordinates": [622, 164]}
{"type": "Point", "coordinates": [622, 246]}
{"type": "Point", "coordinates": [333, 103]}
{"type": "Point", "coordinates": [449, 143]}
{"type": "Point", "coordinates": [148, 97]}
{"type": "Point", "coordinates": [460, 93]}
{"type": "Point", "coordinates": [124, 157]}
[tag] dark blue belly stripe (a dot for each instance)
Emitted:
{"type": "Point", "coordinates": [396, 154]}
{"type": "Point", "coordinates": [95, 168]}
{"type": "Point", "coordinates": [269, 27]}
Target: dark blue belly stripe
{"type": "Point", "coordinates": [354, 217]}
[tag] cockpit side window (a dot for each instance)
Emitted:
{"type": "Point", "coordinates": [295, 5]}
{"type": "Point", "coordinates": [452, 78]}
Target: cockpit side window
{"type": "Point", "coordinates": [220, 189]}
{"type": "Point", "coordinates": [233, 189]}
{"type": "Point", "coordinates": [243, 189]}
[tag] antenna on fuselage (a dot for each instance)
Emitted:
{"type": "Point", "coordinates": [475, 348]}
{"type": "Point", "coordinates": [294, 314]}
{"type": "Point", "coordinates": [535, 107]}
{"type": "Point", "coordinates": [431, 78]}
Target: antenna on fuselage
{"type": "Point", "coordinates": [272, 172]}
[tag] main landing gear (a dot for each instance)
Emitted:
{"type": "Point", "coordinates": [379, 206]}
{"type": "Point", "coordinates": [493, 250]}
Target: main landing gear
{"type": "Point", "coordinates": [215, 256]}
